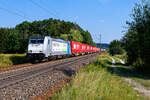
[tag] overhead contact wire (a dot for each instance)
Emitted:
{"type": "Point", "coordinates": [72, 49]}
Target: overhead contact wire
{"type": "Point", "coordinates": [43, 8]}
{"type": "Point", "coordinates": [14, 13]}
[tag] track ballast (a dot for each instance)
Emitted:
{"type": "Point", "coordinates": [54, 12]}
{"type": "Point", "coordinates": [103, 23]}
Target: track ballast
{"type": "Point", "coordinates": [29, 83]}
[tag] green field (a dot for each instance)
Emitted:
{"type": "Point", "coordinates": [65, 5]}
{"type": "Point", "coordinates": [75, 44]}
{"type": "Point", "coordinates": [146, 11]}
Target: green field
{"type": "Point", "coordinates": [98, 81]}
{"type": "Point", "coordinates": [12, 59]}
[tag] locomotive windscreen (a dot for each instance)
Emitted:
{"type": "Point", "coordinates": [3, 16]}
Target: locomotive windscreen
{"type": "Point", "coordinates": [37, 40]}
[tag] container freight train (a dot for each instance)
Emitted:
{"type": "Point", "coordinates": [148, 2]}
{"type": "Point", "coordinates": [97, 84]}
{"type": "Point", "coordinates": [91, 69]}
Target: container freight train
{"type": "Point", "coordinates": [40, 48]}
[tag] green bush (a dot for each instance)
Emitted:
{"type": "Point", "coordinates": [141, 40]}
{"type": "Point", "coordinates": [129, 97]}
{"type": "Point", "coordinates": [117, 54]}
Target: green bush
{"type": "Point", "coordinates": [12, 59]}
{"type": "Point", "coordinates": [5, 61]}
{"type": "Point", "coordinates": [115, 48]}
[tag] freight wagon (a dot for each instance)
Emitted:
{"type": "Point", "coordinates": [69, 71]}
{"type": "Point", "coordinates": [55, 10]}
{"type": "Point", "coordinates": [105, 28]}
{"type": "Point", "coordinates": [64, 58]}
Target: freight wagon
{"type": "Point", "coordinates": [79, 48]}
{"type": "Point", "coordinates": [40, 48]}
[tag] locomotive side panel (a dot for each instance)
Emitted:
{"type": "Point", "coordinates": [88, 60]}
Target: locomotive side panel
{"type": "Point", "coordinates": [59, 47]}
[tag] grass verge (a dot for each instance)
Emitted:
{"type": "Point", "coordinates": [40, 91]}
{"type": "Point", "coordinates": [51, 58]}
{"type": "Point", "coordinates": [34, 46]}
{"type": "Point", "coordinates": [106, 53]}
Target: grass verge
{"type": "Point", "coordinates": [12, 59]}
{"type": "Point", "coordinates": [97, 82]}
{"type": "Point", "coordinates": [125, 72]}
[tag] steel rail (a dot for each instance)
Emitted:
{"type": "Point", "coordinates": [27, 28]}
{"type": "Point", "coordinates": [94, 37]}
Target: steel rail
{"type": "Point", "coordinates": [18, 77]}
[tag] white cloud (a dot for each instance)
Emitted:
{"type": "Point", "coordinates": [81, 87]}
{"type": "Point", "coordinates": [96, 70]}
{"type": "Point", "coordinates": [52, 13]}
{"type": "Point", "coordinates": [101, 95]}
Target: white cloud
{"type": "Point", "coordinates": [101, 20]}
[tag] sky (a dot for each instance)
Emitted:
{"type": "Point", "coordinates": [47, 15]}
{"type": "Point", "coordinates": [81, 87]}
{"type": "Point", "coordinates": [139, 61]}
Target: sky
{"type": "Point", "coordinates": [105, 17]}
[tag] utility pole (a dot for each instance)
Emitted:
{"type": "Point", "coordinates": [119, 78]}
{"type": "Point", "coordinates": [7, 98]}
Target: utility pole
{"type": "Point", "coordinates": [100, 40]}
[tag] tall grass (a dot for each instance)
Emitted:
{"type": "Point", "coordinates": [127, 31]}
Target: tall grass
{"type": "Point", "coordinates": [143, 80]}
{"type": "Point", "coordinates": [123, 57]}
{"type": "Point", "coordinates": [5, 61]}
{"type": "Point", "coordinates": [95, 82]}
{"type": "Point", "coordinates": [12, 59]}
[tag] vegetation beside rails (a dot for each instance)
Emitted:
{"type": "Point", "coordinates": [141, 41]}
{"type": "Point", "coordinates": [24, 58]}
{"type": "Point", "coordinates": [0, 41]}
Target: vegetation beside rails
{"type": "Point", "coordinates": [136, 41]}
{"type": "Point", "coordinates": [122, 57]}
{"type": "Point", "coordinates": [98, 82]}
{"type": "Point", "coordinates": [143, 80]}
{"type": "Point", "coordinates": [12, 59]}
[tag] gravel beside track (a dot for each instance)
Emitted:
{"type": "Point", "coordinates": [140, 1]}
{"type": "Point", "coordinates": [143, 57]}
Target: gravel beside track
{"type": "Point", "coordinates": [28, 83]}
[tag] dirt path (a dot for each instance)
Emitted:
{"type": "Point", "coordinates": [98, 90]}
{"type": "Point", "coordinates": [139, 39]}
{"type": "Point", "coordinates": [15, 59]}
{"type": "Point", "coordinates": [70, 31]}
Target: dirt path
{"type": "Point", "coordinates": [113, 60]}
{"type": "Point", "coordinates": [121, 61]}
{"type": "Point", "coordinates": [136, 85]}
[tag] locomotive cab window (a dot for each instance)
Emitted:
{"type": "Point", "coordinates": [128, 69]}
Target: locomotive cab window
{"type": "Point", "coordinates": [40, 41]}
{"type": "Point", "coordinates": [33, 41]}
{"type": "Point", "coordinates": [37, 41]}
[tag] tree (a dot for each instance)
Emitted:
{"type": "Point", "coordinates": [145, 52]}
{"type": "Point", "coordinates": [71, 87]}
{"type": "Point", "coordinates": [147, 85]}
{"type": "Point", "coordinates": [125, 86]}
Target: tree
{"type": "Point", "coordinates": [4, 32]}
{"type": "Point", "coordinates": [137, 38]}
{"type": "Point", "coordinates": [115, 47]}
{"type": "Point", "coordinates": [87, 38]}
{"type": "Point", "coordinates": [14, 40]}
{"type": "Point", "coordinates": [13, 43]}
{"type": "Point", "coordinates": [76, 35]}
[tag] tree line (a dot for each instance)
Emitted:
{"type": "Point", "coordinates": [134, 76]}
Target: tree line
{"type": "Point", "coordinates": [137, 37]}
{"type": "Point", "coordinates": [116, 48]}
{"type": "Point", "coordinates": [15, 40]}
{"type": "Point", "coordinates": [136, 40]}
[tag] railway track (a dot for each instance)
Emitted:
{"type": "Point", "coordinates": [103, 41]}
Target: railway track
{"type": "Point", "coordinates": [19, 76]}
{"type": "Point", "coordinates": [5, 72]}
{"type": "Point", "coordinates": [31, 82]}
{"type": "Point", "coordinates": [26, 65]}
